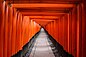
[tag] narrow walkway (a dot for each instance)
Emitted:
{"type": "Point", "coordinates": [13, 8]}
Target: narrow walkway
{"type": "Point", "coordinates": [41, 47]}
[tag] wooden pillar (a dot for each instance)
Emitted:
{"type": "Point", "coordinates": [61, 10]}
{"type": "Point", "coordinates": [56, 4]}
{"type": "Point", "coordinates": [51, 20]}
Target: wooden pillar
{"type": "Point", "coordinates": [66, 32]}
{"type": "Point", "coordinates": [13, 28]}
{"type": "Point", "coordinates": [79, 30]}
{"type": "Point", "coordinates": [56, 30]}
{"type": "Point", "coordinates": [17, 34]}
{"type": "Point", "coordinates": [84, 38]}
{"type": "Point", "coordinates": [2, 8]}
{"type": "Point", "coordinates": [6, 33]}
{"type": "Point", "coordinates": [74, 31]}
{"type": "Point", "coordinates": [70, 33]}
{"type": "Point", "coordinates": [3, 28]}
{"type": "Point", "coordinates": [27, 32]}
{"type": "Point", "coordinates": [52, 29]}
{"type": "Point", "coordinates": [84, 28]}
{"type": "Point", "coordinates": [59, 30]}
{"type": "Point", "coordinates": [10, 30]}
{"type": "Point", "coordinates": [61, 38]}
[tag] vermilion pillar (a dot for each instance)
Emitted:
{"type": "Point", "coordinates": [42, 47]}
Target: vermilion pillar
{"type": "Point", "coordinates": [66, 32]}
{"type": "Point", "coordinates": [83, 28]}
{"type": "Point", "coordinates": [56, 29]}
{"type": "Point", "coordinates": [10, 31]}
{"type": "Point", "coordinates": [79, 30]}
{"type": "Point", "coordinates": [74, 31]}
{"type": "Point", "coordinates": [70, 32]}
{"type": "Point", "coordinates": [14, 31]}
{"type": "Point", "coordinates": [6, 32]}
{"type": "Point", "coordinates": [52, 28]}
{"type": "Point", "coordinates": [1, 27]}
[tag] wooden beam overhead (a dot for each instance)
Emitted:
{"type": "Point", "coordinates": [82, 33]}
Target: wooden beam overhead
{"type": "Point", "coordinates": [42, 14]}
{"type": "Point", "coordinates": [45, 18]}
{"type": "Point", "coordinates": [53, 17]}
{"type": "Point", "coordinates": [42, 23]}
{"type": "Point", "coordinates": [42, 20]}
{"type": "Point", "coordinates": [42, 5]}
{"type": "Point", "coordinates": [44, 1]}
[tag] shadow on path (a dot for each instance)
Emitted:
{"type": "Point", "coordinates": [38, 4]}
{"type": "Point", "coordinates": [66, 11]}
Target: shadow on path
{"type": "Point", "coordinates": [56, 48]}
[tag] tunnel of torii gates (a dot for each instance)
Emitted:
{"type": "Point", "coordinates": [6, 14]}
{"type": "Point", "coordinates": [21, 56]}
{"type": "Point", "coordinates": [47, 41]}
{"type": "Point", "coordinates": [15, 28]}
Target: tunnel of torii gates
{"type": "Point", "coordinates": [63, 19]}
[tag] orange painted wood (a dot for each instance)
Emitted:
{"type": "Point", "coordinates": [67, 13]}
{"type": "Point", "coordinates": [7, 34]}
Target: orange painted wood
{"type": "Point", "coordinates": [83, 28]}
{"type": "Point", "coordinates": [57, 30]}
{"type": "Point", "coordinates": [60, 31]}
{"type": "Point", "coordinates": [21, 38]}
{"type": "Point", "coordinates": [61, 38]}
{"type": "Point", "coordinates": [16, 30]}
{"type": "Point", "coordinates": [66, 32]}
{"type": "Point", "coordinates": [70, 33]}
{"type": "Point", "coordinates": [52, 26]}
{"type": "Point", "coordinates": [6, 33]}
{"type": "Point", "coordinates": [17, 34]}
{"type": "Point", "coordinates": [3, 31]}
{"type": "Point", "coordinates": [42, 5]}
{"type": "Point", "coordinates": [10, 31]}
{"type": "Point", "coordinates": [2, 8]}
{"type": "Point", "coordinates": [30, 29]}
{"type": "Point", "coordinates": [74, 32]}
{"type": "Point", "coordinates": [79, 30]}
{"type": "Point", "coordinates": [25, 30]}
{"type": "Point", "coordinates": [13, 24]}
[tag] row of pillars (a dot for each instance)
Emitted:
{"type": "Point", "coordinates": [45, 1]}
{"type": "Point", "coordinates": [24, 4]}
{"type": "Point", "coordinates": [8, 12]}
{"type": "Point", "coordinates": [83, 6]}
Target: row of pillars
{"type": "Point", "coordinates": [15, 30]}
{"type": "Point", "coordinates": [69, 31]}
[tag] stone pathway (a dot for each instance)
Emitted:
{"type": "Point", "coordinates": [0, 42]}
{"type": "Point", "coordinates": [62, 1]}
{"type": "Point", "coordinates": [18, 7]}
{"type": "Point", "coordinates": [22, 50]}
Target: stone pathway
{"type": "Point", "coordinates": [41, 47]}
